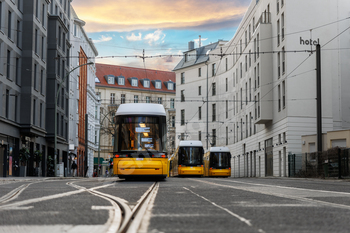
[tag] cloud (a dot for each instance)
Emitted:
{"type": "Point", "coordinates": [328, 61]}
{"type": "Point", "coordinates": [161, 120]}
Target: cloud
{"type": "Point", "coordinates": [152, 14]}
{"type": "Point", "coordinates": [103, 39]}
{"type": "Point", "coordinates": [133, 37]}
{"type": "Point", "coordinates": [154, 37]}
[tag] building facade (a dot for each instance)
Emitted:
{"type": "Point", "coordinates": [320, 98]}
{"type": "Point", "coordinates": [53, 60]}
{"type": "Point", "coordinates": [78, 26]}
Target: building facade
{"type": "Point", "coordinates": [119, 84]}
{"type": "Point", "coordinates": [262, 84]}
{"type": "Point", "coordinates": [83, 101]}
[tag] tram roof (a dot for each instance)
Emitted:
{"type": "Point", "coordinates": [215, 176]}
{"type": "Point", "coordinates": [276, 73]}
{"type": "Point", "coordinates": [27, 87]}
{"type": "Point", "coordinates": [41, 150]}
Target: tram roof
{"type": "Point", "coordinates": [141, 109]}
{"type": "Point", "coordinates": [190, 143]}
{"type": "Point", "coordinates": [219, 149]}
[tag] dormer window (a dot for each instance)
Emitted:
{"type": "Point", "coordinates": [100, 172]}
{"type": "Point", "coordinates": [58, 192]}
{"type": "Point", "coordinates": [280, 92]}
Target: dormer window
{"type": "Point", "coordinates": [170, 86]}
{"type": "Point", "coordinates": [146, 83]}
{"type": "Point", "coordinates": [134, 82]}
{"type": "Point", "coordinates": [121, 80]}
{"type": "Point", "coordinates": [110, 79]}
{"type": "Point", "coordinates": [158, 85]}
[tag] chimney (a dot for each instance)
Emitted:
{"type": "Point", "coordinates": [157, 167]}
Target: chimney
{"type": "Point", "coordinates": [190, 45]}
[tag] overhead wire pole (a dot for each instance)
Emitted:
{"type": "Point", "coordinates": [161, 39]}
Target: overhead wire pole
{"type": "Point", "coordinates": [319, 102]}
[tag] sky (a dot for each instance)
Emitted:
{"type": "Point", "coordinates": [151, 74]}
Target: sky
{"type": "Point", "coordinates": [123, 28]}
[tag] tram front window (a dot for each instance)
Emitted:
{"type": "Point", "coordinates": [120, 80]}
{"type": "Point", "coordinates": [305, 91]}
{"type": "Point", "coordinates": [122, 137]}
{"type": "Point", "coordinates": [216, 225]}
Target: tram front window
{"type": "Point", "coordinates": [220, 160]}
{"type": "Point", "coordinates": [191, 156]}
{"type": "Point", "coordinates": [139, 134]}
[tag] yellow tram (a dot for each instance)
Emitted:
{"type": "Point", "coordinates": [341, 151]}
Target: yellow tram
{"type": "Point", "coordinates": [187, 160]}
{"type": "Point", "coordinates": [217, 162]}
{"type": "Point", "coordinates": [140, 141]}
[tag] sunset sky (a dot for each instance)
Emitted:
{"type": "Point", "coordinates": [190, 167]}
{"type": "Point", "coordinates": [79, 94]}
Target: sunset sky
{"type": "Point", "coordinates": [160, 27]}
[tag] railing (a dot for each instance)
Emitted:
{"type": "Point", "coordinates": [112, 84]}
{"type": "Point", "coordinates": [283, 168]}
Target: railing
{"type": "Point", "coordinates": [332, 163]}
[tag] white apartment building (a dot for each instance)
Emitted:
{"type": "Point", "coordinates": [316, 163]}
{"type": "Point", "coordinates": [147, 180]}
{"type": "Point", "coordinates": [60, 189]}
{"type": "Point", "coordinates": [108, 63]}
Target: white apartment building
{"type": "Point", "coordinates": [82, 46]}
{"type": "Point", "coordinates": [262, 83]}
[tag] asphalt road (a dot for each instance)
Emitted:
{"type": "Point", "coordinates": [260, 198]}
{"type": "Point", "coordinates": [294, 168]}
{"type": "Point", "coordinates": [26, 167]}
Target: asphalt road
{"type": "Point", "coordinates": [179, 205]}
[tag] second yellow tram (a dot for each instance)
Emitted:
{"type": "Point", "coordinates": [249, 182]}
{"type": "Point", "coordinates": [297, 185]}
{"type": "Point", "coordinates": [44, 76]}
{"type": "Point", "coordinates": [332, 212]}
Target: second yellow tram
{"type": "Point", "coordinates": [187, 160]}
{"type": "Point", "coordinates": [217, 162]}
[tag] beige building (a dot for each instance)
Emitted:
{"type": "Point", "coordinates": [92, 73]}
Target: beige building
{"type": "Point", "coordinates": [119, 84]}
{"type": "Point", "coordinates": [331, 139]}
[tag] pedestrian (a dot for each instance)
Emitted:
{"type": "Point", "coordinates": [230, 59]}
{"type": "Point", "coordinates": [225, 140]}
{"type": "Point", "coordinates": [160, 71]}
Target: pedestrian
{"type": "Point", "coordinates": [74, 167]}
{"type": "Point", "coordinates": [95, 173]}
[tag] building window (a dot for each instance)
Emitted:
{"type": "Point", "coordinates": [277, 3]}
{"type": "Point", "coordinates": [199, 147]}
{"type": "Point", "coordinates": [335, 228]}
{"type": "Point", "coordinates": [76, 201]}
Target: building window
{"type": "Point", "coordinates": [282, 26]}
{"type": "Point", "coordinates": [283, 61]}
{"type": "Point", "coordinates": [121, 81]}
{"type": "Point", "coordinates": [213, 137]}
{"type": "Point", "coordinates": [213, 69]}
{"type": "Point", "coordinates": [226, 136]}
{"type": "Point", "coordinates": [43, 48]}
{"type": "Point", "coordinates": [199, 113]}
{"type": "Point", "coordinates": [182, 116]}
{"type": "Point", "coordinates": [146, 83]}
{"type": "Point", "coordinates": [214, 112]}
{"type": "Point", "coordinates": [241, 69]}
{"type": "Point", "coordinates": [112, 99]}
{"type": "Point", "coordinates": [182, 78]}
{"type": "Point", "coordinates": [9, 25]}
{"type": "Point", "coordinates": [122, 99]}
{"type": "Point", "coordinates": [41, 115]}
{"type": "Point", "coordinates": [226, 109]}
{"type": "Point", "coordinates": [173, 121]}
{"type": "Point", "coordinates": [226, 82]}
{"type": "Point", "coordinates": [199, 135]}
{"type": "Point", "coordinates": [43, 15]}
{"type": "Point", "coordinates": [279, 97]}
{"type": "Point", "coordinates": [17, 70]}
{"type": "Point", "coordinates": [182, 95]}
{"type": "Point", "coordinates": [42, 81]}
{"type": "Point", "coordinates": [34, 111]}
{"type": "Point", "coordinates": [199, 72]}
{"type": "Point", "coordinates": [7, 110]}
{"type": "Point", "coordinates": [283, 94]}
{"type": "Point", "coordinates": [246, 63]}
{"type": "Point", "coordinates": [278, 6]}
{"type": "Point", "coordinates": [226, 64]}
{"type": "Point", "coordinates": [35, 77]}
{"type": "Point", "coordinates": [148, 99]}
{"type": "Point", "coordinates": [199, 90]}
{"type": "Point", "coordinates": [172, 103]}
{"type": "Point", "coordinates": [278, 65]}
{"type": "Point", "coordinates": [18, 33]}
{"type": "Point", "coordinates": [8, 64]}
{"type": "Point", "coordinates": [170, 86]}
{"type": "Point", "coordinates": [134, 82]}
{"type": "Point", "coordinates": [136, 98]}
{"type": "Point", "coordinates": [278, 32]}
{"type": "Point", "coordinates": [159, 100]}
{"type": "Point", "coordinates": [214, 89]}
{"type": "Point", "coordinates": [158, 85]}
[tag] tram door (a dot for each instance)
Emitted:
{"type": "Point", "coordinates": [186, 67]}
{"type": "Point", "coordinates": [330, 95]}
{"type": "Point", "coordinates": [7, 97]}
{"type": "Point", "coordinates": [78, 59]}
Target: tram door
{"type": "Point", "coordinates": [268, 158]}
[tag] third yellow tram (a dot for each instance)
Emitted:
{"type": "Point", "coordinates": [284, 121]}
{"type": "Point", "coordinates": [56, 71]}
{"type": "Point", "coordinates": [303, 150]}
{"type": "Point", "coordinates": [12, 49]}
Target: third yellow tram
{"type": "Point", "coordinates": [217, 162]}
{"type": "Point", "coordinates": [187, 160]}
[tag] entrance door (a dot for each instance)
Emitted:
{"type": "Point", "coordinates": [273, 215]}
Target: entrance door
{"type": "Point", "coordinates": [268, 158]}
{"type": "Point", "coordinates": [2, 162]}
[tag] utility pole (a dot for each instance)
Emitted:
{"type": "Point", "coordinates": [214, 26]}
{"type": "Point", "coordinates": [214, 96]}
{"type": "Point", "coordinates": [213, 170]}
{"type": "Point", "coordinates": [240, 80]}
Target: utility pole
{"type": "Point", "coordinates": [207, 107]}
{"type": "Point", "coordinates": [319, 102]}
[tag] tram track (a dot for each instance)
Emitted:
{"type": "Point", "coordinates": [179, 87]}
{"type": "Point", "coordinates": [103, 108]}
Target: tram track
{"type": "Point", "coordinates": [128, 220]}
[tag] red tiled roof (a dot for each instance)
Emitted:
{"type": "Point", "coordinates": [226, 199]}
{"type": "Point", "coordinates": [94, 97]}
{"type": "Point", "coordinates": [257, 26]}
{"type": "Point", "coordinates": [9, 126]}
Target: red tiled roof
{"type": "Point", "coordinates": [128, 72]}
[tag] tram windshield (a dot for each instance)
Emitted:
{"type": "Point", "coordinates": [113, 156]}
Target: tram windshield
{"type": "Point", "coordinates": [141, 133]}
{"type": "Point", "coordinates": [191, 156]}
{"type": "Point", "coordinates": [220, 160]}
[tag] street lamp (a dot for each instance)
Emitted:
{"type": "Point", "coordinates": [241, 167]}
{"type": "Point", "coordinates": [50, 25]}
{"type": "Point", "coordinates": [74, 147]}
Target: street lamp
{"type": "Point", "coordinates": [56, 99]}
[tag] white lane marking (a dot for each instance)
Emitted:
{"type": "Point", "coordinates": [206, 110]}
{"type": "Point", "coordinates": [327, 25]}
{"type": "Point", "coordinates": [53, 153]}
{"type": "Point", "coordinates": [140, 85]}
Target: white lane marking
{"type": "Point", "coordinates": [285, 187]}
{"type": "Point", "coordinates": [53, 228]}
{"type": "Point", "coordinates": [40, 199]}
{"type": "Point", "coordinates": [246, 221]}
{"type": "Point", "coordinates": [18, 207]}
{"type": "Point", "coordinates": [94, 207]}
{"type": "Point", "coordinates": [280, 195]}
{"type": "Point", "coordinates": [147, 215]}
